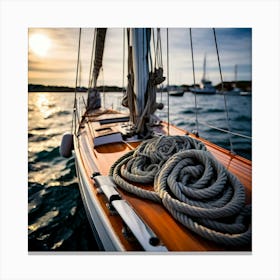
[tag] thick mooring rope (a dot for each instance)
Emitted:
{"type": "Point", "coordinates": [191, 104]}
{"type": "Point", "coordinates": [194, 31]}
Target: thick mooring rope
{"type": "Point", "coordinates": [201, 194]}
{"type": "Point", "coordinates": [193, 186]}
{"type": "Point", "coordinates": [142, 164]}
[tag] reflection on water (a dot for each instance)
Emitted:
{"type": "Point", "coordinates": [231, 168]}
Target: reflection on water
{"type": "Point", "coordinates": [56, 217]}
{"type": "Point", "coordinates": [44, 220]}
{"type": "Point", "coordinates": [45, 106]}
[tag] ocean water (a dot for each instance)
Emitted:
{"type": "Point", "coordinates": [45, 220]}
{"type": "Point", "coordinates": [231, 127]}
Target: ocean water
{"type": "Point", "coordinates": [56, 217]}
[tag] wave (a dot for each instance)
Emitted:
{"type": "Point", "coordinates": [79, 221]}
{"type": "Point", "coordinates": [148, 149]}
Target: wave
{"type": "Point", "coordinates": [37, 167]}
{"type": "Point", "coordinates": [68, 173]}
{"type": "Point", "coordinates": [57, 220]}
{"type": "Point", "coordinates": [47, 155]}
{"type": "Point", "coordinates": [214, 110]}
{"type": "Point", "coordinates": [37, 138]}
{"type": "Point", "coordinates": [242, 119]}
{"type": "Point", "coordinates": [58, 114]}
{"type": "Point", "coordinates": [39, 128]}
{"type": "Point", "coordinates": [181, 123]}
{"type": "Point", "coordinates": [190, 110]}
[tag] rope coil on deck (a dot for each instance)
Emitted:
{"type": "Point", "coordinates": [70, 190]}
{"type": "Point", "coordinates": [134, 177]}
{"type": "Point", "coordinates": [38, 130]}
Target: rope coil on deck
{"type": "Point", "coordinates": [204, 199]}
{"type": "Point", "coordinates": [142, 164]}
{"type": "Point", "coordinates": [192, 185]}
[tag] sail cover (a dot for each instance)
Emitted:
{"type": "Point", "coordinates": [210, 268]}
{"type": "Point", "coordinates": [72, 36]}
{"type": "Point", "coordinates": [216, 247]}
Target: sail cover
{"type": "Point", "coordinates": [99, 49]}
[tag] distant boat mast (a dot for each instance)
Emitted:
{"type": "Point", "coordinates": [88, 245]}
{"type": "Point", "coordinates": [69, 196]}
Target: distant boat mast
{"type": "Point", "coordinates": [204, 68]}
{"type": "Point", "coordinates": [235, 75]}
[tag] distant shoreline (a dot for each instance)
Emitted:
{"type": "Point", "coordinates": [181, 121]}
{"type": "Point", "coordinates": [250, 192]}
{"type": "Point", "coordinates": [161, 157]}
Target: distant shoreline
{"type": "Point", "coordinates": [242, 85]}
{"type": "Point", "coordinates": [43, 88]}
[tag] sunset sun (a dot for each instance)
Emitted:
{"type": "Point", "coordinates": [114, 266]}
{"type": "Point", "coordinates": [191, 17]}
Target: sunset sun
{"type": "Point", "coordinates": [39, 44]}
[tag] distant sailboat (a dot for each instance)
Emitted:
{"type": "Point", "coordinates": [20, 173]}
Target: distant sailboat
{"type": "Point", "coordinates": [206, 86]}
{"type": "Point", "coordinates": [235, 90]}
{"type": "Point", "coordinates": [175, 91]}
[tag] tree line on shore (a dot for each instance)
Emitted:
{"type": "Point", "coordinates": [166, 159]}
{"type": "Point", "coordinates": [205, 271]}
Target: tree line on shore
{"type": "Point", "coordinates": [243, 85]}
{"type": "Point", "coordinates": [43, 88]}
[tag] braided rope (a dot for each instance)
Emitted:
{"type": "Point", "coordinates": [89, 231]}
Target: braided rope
{"type": "Point", "coordinates": [193, 186]}
{"type": "Point", "coordinates": [183, 201]}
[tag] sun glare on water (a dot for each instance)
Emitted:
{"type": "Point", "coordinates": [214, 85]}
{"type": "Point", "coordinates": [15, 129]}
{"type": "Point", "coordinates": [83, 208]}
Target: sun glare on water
{"type": "Point", "coordinates": [39, 44]}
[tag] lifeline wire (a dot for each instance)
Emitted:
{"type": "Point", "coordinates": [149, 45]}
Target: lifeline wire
{"type": "Point", "coordinates": [167, 49]}
{"type": "Point", "coordinates": [76, 82]}
{"type": "Point", "coordinates": [90, 78]}
{"type": "Point", "coordinates": [225, 101]}
{"type": "Point", "coordinates": [195, 100]}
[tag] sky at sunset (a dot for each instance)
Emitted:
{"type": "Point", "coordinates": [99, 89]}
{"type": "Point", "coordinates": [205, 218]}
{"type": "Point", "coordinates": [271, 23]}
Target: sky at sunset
{"type": "Point", "coordinates": [52, 55]}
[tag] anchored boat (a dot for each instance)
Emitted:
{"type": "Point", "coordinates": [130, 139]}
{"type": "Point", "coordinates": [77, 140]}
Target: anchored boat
{"type": "Point", "coordinates": [148, 185]}
{"type": "Point", "coordinates": [176, 91]}
{"type": "Point", "coordinates": [205, 86]}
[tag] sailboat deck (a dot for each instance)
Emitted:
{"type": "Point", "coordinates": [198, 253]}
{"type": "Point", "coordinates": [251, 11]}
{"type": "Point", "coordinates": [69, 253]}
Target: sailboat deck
{"type": "Point", "coordinates": [170, 232]}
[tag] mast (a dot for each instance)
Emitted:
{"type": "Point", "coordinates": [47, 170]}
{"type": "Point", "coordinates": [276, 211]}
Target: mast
{"type": "Point", "coordinates": [143, 79]}
{"type": "Point", "coordinates": [235, 75]}
{"type": "Point", "coordinates": [204, 68]}
{"type": "Point", "coordinates": [140, 48]}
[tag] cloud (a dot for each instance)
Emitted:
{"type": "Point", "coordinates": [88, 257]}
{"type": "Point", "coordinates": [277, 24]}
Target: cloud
{"type": "Point", "coordinates": [234, 45]}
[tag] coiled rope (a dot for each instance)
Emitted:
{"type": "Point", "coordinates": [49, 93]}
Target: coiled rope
{"type": "Point", "coordinates": [142, 164]}
{"type": "Point", "coordinates": [193, 186]}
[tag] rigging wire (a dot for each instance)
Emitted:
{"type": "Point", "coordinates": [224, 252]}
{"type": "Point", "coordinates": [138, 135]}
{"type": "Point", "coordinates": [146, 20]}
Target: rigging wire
{"type": "Point", "coordinates": [80, 74]}
{"type": "Point", "coordinates": [76, 82]}
{"type": "Point", "coordinates": [123, 59]}
{"type": "Point", "coordinates": [90, 78]}
{"type": "Point", "coordinates": [225, 101]}
{"type": "Point", "coordinates": [159, 54]}
{"type": "Point", "coordinates": [159, 49]}
{"type": "Point", "coordinates": [103, 86]}
{"type": "Point", "coordinates": [167, 55]}
{"type": "Point", "coordinates": [225, 131]}
{"type": "Point", "coordinates": [154, 47]}
{"type": "Point", "coordinates": [194, 82]}
{"type": "Point", "coordinates": [148, 42]}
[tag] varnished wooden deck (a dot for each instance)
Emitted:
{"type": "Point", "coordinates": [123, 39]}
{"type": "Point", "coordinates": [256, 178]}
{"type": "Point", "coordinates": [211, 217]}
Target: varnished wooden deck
{"type": "Point", "coordinates": [171, 233]}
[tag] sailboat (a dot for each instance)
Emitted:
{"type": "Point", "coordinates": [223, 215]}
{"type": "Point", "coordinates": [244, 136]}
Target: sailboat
{"type": "Point", "coordinates": [235, 90]}
{"type": "Point", "coordinates": [146, 184]}
{"type": "Point", "coordinates": [176, 91]}
{"type": "Point", "coordinates": [205, 86]}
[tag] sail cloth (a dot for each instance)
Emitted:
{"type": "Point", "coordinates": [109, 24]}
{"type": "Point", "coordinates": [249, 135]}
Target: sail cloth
{"type": "Point", "coordinates": [148, 119]}
{"type": "Point", "coordinates": [94, 100]}
{"type": "Point", "coordinates": [129, 98]}
{"type": "Point", "coordinates": [99, 49]}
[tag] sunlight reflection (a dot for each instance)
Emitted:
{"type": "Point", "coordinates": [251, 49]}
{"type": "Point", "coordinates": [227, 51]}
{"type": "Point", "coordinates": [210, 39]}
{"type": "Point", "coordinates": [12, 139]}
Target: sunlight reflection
{"type": "Point", "coordinates": [44, 220]}
{"type": "Point", "coordinates": [44, 104]}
